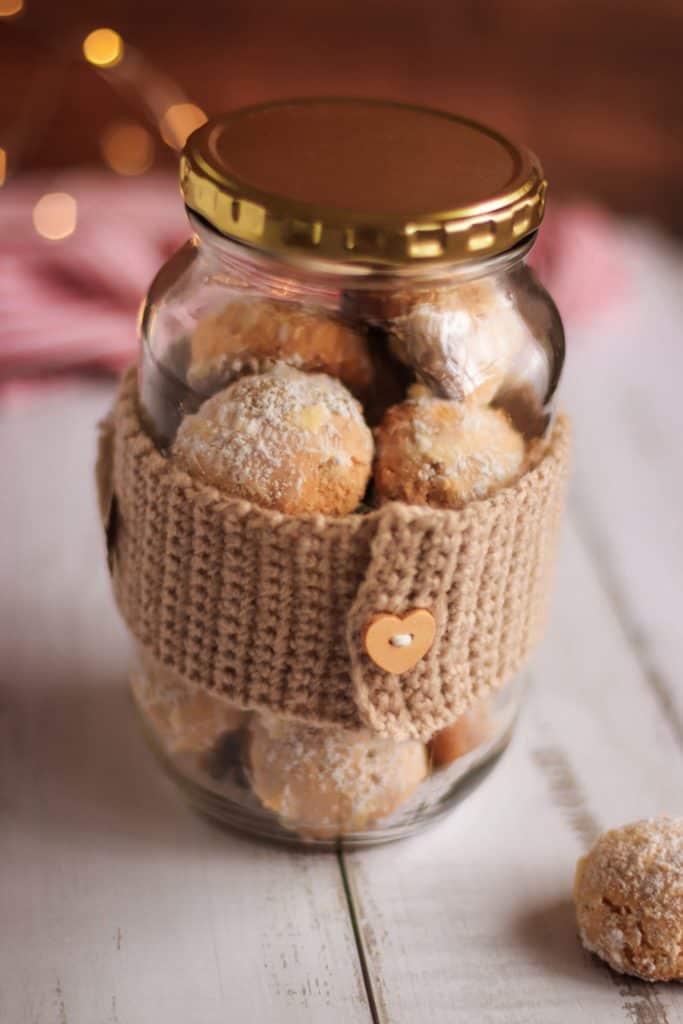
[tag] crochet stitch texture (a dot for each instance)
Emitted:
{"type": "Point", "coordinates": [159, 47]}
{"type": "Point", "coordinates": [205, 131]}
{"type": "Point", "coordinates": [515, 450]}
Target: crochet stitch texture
{"type": "Point", "coordinates": [270, 610]}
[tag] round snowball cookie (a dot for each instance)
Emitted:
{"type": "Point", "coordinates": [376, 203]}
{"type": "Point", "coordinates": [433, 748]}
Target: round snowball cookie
{"type": "Point", "coordinates": [440, 453]}
{"type": "Point", "coordinates": [469, 731]}
{"type": "Point", "coordinates": [250, 334]}
{"type": "Point", "coordinates": [628, 894]}
{"type": "Point", "coordinates": [285, 440]}
{"type": "Point", "coordinates": [188, 719]}
{"type": "Point", "coordinates": [466, 340]}
{"type": "Point", "coordinates": [325, 781]}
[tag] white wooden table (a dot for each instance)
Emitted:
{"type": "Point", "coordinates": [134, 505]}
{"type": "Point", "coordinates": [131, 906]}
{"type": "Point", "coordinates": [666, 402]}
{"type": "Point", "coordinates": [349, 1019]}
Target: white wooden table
{"type": "Point", "coordinates": [119, 906]}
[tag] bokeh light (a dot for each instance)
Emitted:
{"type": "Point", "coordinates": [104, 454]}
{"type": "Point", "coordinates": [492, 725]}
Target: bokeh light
{"type": "Point", "coordinates": [179, 121]}
{"type": "Point", "coordinates": [3, 166]}
{"type": "Point", "coordinates": [8, 8]}
{"type": "Point", "coordinates": [103, 48]}
{"type": "Point", "coordinates": [127, 148]}
{"type": "Point", "coordinates": [55, 215]}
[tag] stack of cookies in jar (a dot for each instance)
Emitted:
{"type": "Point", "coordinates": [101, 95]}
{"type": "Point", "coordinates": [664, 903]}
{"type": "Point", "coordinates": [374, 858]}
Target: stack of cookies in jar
{"type": "Point", "coordinates": [432, 396]}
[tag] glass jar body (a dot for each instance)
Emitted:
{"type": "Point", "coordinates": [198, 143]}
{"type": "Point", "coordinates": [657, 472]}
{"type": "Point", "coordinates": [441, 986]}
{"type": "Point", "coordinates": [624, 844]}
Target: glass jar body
{"type": "Point", "coordinates": [323, 786]}
{"type": "Point", "coordinates": [487, 330]}
{"type": "Point", "coordinates": [455, 370]}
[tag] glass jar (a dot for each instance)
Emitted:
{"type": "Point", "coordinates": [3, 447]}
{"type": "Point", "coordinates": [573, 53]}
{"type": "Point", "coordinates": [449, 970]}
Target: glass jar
{"type": "Point", "coordinates": [352, 325]}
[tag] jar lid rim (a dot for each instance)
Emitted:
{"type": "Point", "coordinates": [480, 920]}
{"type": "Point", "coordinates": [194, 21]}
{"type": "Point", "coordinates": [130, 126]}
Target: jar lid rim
{"type": "Point", "coordinates": [362, 181]}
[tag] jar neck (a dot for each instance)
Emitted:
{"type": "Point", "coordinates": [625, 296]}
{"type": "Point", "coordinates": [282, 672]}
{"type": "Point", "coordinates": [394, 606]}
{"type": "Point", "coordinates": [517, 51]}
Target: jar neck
{"type": "Point", "coordinates": [278, 274]}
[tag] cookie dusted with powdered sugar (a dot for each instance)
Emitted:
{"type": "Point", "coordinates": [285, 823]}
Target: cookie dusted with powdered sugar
{"type": "Point", "coordinates": [188, 719]}
{"type": "Point", "coordinates": [434, 452]}
{"type": "Point", "coordinates": [325, 781]}
{"type": "Point", "coordinates": [628, 894]}
{"type": "Point", "coordinates": [250, 334]}
{"type": "Point", "coordinates": [469, 731]}
{"type": "Point", "coordinates": [465, 340]}
{"type": "Point", "coordinates": [285, 440]}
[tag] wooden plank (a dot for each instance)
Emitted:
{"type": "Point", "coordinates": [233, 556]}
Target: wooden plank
{"type": "Point", "coordinates": [598, 743]}
{"type": "Point", "coordinates": [623, 388]}
{"type": "Point", "coordinates": [472, 921]}
{"type": "Point", "coordinates": [117, 903]}
{"type": "Point", "coordinates": [107, 888]}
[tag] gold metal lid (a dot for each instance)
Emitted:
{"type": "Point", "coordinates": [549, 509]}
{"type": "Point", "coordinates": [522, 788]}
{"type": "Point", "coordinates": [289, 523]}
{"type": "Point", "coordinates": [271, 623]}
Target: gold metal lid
{"type": "Point", "coordinates": [362, 181]}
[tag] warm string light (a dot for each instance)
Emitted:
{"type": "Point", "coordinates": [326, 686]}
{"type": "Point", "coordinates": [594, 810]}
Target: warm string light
{"type": "Point", "coordinates": [126, 69]}
{"type": "Point", "coordinates": [103, 48]}
{"type": "Point", "coordinates": [8, 8]}
{"type": "Point", "coordinates": [127, 148]}
{"type": "Point", "coordinates": [179, 121]}
{"type": "Point", "coordinates": [55, 216]}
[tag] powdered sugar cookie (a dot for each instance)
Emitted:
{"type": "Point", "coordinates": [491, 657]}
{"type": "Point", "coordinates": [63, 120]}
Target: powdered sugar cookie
{"type": "Point", "coordinates": [468, 731]}
{"type": "Point", "coordinates": [286, 440]}
{"type": "Point", "coordinates": [628, 894]}
{"type": "Point", "coordinates": [250, 334]}
{"type": "Point", "coordinates": [325, 782]}
{"type": "Point", "coordinates": [440, 453]}
{"type": "Point", "coordinates": [188, 719]}
{"type": "Point", "coordinates": [464, 340]}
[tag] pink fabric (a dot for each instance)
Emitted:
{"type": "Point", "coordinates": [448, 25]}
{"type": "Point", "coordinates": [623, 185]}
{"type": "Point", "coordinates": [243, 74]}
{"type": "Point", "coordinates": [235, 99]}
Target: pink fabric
{"type": "Point", "coordinates": [578, 258]}
{"type": "Point", "coordinates": [71, 305]}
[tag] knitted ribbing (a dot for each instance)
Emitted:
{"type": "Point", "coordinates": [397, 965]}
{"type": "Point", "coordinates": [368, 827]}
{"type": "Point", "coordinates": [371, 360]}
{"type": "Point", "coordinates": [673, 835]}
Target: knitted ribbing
{"type": "Point", "coordinates": [270, 610]}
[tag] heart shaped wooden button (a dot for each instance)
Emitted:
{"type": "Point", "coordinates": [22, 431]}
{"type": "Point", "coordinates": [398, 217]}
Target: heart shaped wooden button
{"type": "Point", "coordinates": [397, 642]}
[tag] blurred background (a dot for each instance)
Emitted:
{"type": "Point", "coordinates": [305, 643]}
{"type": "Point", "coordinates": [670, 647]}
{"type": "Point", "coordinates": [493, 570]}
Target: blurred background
{"type": "Point", "coordinates": [98, 96]}
{"type": "Point", "coordinates": [593, 85]}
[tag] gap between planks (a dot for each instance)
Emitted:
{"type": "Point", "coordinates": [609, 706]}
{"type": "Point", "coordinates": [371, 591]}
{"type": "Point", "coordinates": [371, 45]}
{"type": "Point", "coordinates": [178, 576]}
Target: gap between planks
{"type": "Point", "coordinates": [640, 1003]}
{"type": "Point", "coordinates": [358, 938]}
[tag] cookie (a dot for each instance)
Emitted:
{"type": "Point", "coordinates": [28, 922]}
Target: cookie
{"type": "Point", "coordinates": [440, 453]}
{"type": "Point", "coordinates": [462, 340]}
{"type": "Point", "coordinates": [250, 334]}
{"type": "Point", "coordinates": [467, 732]}
{"type": "Point", "coordinates": [286, 440]}
{"type": "Point", "coordinates": [189, 720]}
{"type": "Point", "coordinates": [628, 895]}
{"type": "Point", "coordinates": [325, 781]}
